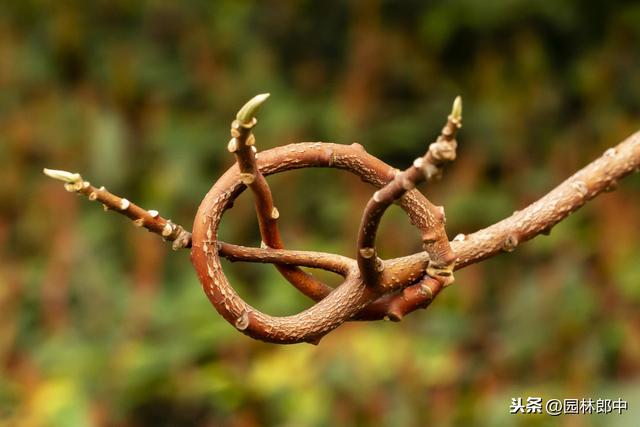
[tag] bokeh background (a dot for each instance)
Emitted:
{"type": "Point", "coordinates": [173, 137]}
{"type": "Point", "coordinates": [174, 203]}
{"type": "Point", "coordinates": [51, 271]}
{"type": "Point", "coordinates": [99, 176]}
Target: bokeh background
{"type": "Point", "coordinates": [101, 324]}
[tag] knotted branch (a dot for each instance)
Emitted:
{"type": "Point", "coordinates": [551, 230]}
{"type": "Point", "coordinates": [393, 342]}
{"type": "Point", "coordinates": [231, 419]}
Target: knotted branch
{"type": "Point", "coordinates": [400, 285]}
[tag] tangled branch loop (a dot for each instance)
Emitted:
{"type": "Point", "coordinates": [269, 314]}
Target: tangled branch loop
{"type": "Point", "coordinates": [352, 299]}
{"type": "Point", "coordinates": [373, 288]}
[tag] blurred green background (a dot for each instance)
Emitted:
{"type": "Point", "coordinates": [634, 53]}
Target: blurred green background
{"type": "Point", "coordinates": [102, 325]}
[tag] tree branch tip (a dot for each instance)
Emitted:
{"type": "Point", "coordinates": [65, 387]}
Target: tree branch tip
{"type": "Point", "coordinates": [456, 109]}
{"type": "Point", "coordinates": [64, 176]}
{"type": "Point", "coordinates": [247, 113]}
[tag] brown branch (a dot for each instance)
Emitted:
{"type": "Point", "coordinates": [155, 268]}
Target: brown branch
{"type": "Point", "coordinates": [404, 284]}
{"type": "Point", "coordinates": [352, 295]}
{"type": "Point", "coordinates": [149, 219]}
{"type": "Point", "coordinates": [181, 238]}
{"type": "Point", "coordinates": [396, 305]}
{"type": "Point", "coordinates": [348, 299]}
{"type": "Point", "coordinates": [393, 306]}
{"type": "Point", "coordinates": [242, 145]}
{"type": "Point", "coordinates": [429, 168]}
{"type": "Point", "coordinates": [541, 216]}
{"type": "Point", "coordinates": [330, 262]}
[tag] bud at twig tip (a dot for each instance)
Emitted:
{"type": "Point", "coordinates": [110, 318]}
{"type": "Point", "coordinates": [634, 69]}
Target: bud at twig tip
{"type": "Point", "coordinates": [456, 110]}
{"type": "Point", "coordinates": [247, 112]}
{"type": "Point", "coordinates": [64, 176]}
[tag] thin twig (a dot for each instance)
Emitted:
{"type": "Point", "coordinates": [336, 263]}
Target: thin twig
{"type": "Point", "coordinates": [395, 306]}
{"type": "Point", "coordinates": [429, 168]}
{"type": "Point", "coordinates": [181, 238]}
{"type": "Point", "coordinates": [242, 145]}
{"type": "Point", "coordinates": [402, 283]}
{"type": "Point", "coordinates": [149, 219]}
{"type": "Point", "coordinates": [330, 262]}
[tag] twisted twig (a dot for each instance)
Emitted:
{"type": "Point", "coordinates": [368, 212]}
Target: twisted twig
{"type": "Point", "coordinates": [429, 168]}
{"type": "Point", "coordinates": [401, 284]}
{"type": "Point", "coordinates": [242, 145]}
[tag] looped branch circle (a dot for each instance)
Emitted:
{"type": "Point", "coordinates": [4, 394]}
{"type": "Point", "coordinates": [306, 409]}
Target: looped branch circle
{"type": "Point", "coordinates": [373, 289]}
{"type": "Point", "coordinates": [348, 299]}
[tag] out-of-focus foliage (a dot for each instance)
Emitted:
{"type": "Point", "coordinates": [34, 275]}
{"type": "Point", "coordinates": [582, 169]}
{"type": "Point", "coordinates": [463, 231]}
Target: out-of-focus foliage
{"type": "Point", "coordinates": [100, 324]}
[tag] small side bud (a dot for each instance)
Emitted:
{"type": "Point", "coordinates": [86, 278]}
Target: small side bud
{"type": "Point", "coordinates": [247, 178]}
{"type": "Point", "coordinates": [232, 147]}
{"type": "Point", "coordinates": [367, 252]}
{"type": "Point", "coordinates": [431, 172]}
{"type": "Point", "coordinates": [167, 230]}
{"type": "Point", "coordinates": [580, 187]}
{"type": "Point", "coordinates": [426, 291]}
{"type": "Point", "coordinates": [443, 151]}
{"type": "Point", "coordinates": [444, 274]}
{"type": "Point", "coordinates": [275, 214]}
{"type": "Point", "coordinates": [124, 204]}
{"type": "Point", "coordinates": [510, 243]}
{"type": "Point", "coordinates": [242, 322]}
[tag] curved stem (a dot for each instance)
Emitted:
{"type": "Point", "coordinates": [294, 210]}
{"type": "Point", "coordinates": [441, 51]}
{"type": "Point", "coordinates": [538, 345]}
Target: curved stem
{"type": "Point", "coordinates": [242, 145]}
{"type": "Point", "coordinates": [541, 216]}
{"type": "Point", "coordinates": [429, 168]}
